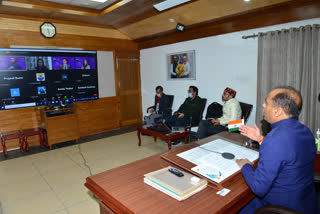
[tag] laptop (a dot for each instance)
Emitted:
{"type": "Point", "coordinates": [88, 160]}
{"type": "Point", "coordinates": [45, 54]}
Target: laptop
{"type": "Point", "coordinates": [177, 129]}
{"type": "Point", "coordinates": [163, 128]}
{"type": "Point", "coordinates": [174, 129]}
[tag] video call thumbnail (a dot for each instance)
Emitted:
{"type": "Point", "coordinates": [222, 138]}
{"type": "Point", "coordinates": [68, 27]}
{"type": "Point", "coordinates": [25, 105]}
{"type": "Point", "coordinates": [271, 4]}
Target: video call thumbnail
{"type": "Point", "coordinates": [13, 63]}
{"type": "Point", "coordinates": [15, 92]}
{"type": "Point", "coordinates": [39, 63]}
{"type": "Point", "coordinates": [40, 77]}
{"type": "Point", "coordinates": [42, 90]}
{"type": "Point", "coordinates": [85, 63]}
{"type": "Point", "coordinates": [63, 63]}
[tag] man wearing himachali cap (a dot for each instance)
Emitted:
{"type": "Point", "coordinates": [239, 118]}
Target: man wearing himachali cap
{"type": "Point", "coordinates": [231, 111]}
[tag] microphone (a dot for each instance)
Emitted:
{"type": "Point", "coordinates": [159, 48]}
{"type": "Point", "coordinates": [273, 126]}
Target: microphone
{"type": "Point", "coordinates": [225, 155]}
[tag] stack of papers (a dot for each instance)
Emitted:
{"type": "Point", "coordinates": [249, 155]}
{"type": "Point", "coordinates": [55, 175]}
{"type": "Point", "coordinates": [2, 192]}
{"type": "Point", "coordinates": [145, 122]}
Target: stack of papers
{"type": "Point", "coordinates": [212, 165]}
{"type": "Point", "coordinates": [179, 188]}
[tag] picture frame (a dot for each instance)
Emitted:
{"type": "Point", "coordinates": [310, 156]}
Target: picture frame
{"type": "Point", "coordinates": [181, 65]}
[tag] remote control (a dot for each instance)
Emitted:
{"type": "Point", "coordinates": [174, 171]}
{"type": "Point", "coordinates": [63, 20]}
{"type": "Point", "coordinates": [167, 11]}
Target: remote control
{"type": "Point", "coordinates": [176, 172]}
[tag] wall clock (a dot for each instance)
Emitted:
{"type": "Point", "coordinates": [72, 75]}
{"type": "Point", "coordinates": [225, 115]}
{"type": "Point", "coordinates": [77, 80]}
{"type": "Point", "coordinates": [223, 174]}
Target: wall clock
{"type": "Point", "coordinates": [48, 30]}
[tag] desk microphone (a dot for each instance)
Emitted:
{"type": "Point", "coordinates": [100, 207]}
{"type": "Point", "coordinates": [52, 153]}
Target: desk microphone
{"type": "Point", "coordinates": [225, 155]}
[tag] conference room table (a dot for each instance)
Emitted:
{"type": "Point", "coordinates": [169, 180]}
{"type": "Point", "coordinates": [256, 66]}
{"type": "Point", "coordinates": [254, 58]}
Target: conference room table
{"type": "Point", "coordinates": [122, 189]}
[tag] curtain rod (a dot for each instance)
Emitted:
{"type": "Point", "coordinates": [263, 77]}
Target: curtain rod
{"type": "Point", "coordinates": [286, 30]}
{"type": "Point", "coordinates": [250, 36]}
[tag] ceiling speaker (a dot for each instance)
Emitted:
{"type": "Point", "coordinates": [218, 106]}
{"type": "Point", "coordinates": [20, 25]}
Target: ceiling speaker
{"type": "Point", "coordinates": [180, 27]}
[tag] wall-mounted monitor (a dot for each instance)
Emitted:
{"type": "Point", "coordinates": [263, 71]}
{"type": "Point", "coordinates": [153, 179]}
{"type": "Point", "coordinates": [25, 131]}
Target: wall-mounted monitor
{"type": "Point", "coordinates": [34, 77]}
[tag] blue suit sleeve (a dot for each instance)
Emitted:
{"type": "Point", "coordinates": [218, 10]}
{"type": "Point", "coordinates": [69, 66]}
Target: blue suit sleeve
{"type": "Point", "coordinates": [260, 180]}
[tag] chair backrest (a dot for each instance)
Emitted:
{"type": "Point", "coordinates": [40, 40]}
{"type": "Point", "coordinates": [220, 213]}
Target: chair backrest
{"type": "Point", "coordinates": [246, 111]}
{"type": "Point", "coordinates": [203, 106]}
{"type": "Point", "coordinates": [272, 209]}
{"type": "Point", "coordinates": [171, 98]}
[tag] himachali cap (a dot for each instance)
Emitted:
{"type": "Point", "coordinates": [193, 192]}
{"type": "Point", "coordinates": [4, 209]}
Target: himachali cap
{"type": "Point", "coordinates": [230, 91]}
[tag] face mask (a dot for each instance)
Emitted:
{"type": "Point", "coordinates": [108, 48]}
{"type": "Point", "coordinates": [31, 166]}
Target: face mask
{"type": "Point", "coordinates": [190, 95]}
{"type": "Point", "coordinates": [158, 95]}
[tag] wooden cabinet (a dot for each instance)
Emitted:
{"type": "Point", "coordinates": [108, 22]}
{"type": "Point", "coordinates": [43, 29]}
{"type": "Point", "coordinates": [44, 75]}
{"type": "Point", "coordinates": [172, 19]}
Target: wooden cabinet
{"type": "Point", "coordinates": [61, 125]}
{"type": "Point", "coordinates": [92, 117]}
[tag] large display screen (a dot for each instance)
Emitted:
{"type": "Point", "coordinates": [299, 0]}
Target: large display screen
{"type": "Point", "coordinates": [32, 77]}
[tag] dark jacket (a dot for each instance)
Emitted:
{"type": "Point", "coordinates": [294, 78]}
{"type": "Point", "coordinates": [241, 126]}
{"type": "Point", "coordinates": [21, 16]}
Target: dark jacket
{"type": "Point", "coordinates": [163, 105]}
{"type": "Point", "coordinates": [191, 108]}
{"type": "Point", "coordinates": [214, 110]}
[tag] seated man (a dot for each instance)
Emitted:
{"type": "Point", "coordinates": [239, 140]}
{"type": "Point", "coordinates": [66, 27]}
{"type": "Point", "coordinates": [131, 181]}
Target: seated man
{"type": "Point", "coordinates": [161, 103]}
{"type": "Point", "coordinates": [231, 111]}
{"type": "Point", "coordinates": [284, 175]}
{"type": "Point", "coordinates": [191, 108]}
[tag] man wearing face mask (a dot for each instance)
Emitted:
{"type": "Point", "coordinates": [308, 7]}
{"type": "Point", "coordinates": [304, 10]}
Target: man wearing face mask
{"type": "Point", "coordinates": [191, 108]}
{"type": "Point", "coordinates": [161, 104]}
{"type": "Point", "coordinates": [231, 111]}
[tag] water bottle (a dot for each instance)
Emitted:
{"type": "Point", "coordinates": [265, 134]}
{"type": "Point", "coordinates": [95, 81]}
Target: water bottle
{"type": "Point", "coordinates": [317, 138]}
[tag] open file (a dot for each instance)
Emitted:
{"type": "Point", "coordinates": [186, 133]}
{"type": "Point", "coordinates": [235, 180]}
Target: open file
{"type": "Point", "coordinates": [211, 164]}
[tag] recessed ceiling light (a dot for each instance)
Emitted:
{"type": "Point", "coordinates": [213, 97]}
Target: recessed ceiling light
{"type": "Point", "coordinates": [171, 20]}
{"type": "Point", "coordinates": [246, 0]}
{"type": "Point", "coordinates": [101, 1]}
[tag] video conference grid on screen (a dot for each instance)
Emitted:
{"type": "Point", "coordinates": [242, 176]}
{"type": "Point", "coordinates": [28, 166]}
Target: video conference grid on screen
{"type": "Point", "coordinates": [30, 77]}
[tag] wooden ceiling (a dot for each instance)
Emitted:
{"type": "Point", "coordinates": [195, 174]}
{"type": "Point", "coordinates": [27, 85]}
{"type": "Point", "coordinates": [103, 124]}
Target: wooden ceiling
{"type": "Point", "coordinates": [142, 23]}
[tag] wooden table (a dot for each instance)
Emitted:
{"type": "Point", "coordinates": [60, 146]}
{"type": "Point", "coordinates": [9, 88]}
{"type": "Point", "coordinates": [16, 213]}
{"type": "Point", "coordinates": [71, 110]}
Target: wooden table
{"type": "Point", "coordinates": [172, 156]}
{"type": "Point", "coordinates": [122, 190]}
{"type": "Point", "coordinates": [168, 137]}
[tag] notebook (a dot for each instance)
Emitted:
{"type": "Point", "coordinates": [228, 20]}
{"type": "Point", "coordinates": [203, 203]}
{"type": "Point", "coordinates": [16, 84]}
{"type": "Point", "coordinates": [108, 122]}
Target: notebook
{"type": "Point", "coordinates": [179, 188]}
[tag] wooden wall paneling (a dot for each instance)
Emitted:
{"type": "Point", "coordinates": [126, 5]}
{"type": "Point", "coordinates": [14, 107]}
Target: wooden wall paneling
{"type": "Point", "coordinates": [127, 53]}
{"type": "Point", "coordinates": [18, 119]}
{"type": "Point", "coordinates": [98, 115]}
{"type": "Point", "coordinates": [47, 19]}
{"type": "Point", "coordinates": [19, 11]}
{"type": "Point", "coordinates": [25, 38]}
{"type": "Point", "coordinates": [20, 23]}
{"type": "Point", "coordinates": [52, 6]}
{"type": "Point", "coordinates": [267, 16]}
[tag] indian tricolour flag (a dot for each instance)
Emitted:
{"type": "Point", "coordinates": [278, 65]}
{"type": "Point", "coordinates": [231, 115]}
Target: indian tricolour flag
{"type": "Point", "coordinates": [234, 125]}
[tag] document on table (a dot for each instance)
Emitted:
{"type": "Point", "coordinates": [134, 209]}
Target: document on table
{"type": "Point", "coordinates": [211, 164]}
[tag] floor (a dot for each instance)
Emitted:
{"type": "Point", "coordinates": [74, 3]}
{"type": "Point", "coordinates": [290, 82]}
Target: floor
{"type": "Point", "coordinates": [37, 149]}
{"type": "Point", "coordinates": [52, 181]}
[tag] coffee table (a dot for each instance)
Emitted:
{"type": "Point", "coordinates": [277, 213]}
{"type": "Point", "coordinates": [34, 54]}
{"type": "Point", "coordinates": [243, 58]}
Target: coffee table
{"type": "Point", "coordinates": [168, 137]}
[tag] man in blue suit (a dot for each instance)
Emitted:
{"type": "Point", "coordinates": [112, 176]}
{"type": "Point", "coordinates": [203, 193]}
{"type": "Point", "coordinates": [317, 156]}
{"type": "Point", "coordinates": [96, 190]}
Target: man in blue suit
{"type": "Point", "coordinates": [284, 175]}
